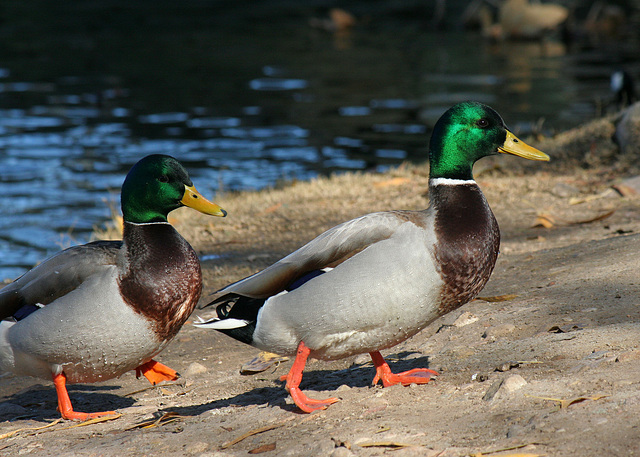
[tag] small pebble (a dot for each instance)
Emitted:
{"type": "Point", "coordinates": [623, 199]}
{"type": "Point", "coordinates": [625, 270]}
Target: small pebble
{"type": "Point", "coordinates": [195, 369]}
{"type": "Point", "coordinates": [465, 318]}
{"type": "Point", "coordinates": [513, 383]}
{"type": "Point", "coordinates": [498, 331]}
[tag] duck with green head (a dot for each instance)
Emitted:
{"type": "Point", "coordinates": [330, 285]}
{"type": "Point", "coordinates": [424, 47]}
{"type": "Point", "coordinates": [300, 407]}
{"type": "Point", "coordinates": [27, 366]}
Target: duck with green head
{"type": "Point", "coordinates": [96, 311]}
{"type": "Point", "coordinates": [372, 282]}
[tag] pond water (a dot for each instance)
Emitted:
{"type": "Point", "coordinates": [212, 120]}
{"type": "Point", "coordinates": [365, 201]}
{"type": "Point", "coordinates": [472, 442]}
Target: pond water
{"type": "Point", "coordinates": [244, 100]}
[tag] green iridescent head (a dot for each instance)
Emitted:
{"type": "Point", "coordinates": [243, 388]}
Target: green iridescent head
{"type": "Point", "coordinates": [157, 185]}
{"type": "Point", "coordinates": [467, 132]}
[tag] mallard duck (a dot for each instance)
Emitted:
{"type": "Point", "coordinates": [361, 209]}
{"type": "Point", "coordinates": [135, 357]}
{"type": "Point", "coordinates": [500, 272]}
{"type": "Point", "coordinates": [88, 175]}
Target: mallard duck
{"type": "Point", "coordinates": [372, 282]}
{"type": "Point", "coordinates": [96, 311]}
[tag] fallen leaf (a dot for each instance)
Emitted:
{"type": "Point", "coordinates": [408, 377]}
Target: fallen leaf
{"type": "Point", "coordinates": [506, 366]}
{"type": "Point", "coordinates": [498, 452]}
{"type": "Point", "coordinates": [166, 418]}
{"type": "Point", "coordinates": [498, 298]}
{"type": "Point", "coordinates": [29, 429]}
{"type": "Point", "coordinates": [625, 190]}
{"type": "Point", "coordinates": [262, 362]}
{"type": "Point", "coordinates": [263, 448]}
{"type": "Point", "coordinates": [566, 328]}
{"type": "Point", "coordinates": [544, 221]}
{"type": "Point", "coordinates": [548, 221]}
{"type": "Point", "coordinates": [95, 420]}
{"type": "Point", "coordinates": [386, 444]}
{"type": "Point", "coordinates": [566, 403]}
{"type": "Point", "coordinates": [594, 219]}
{"type": "Point", "coordinates": [588, 198]}
{"type": "Point", "coordinates": [517, 454]}
{"type": "Point", "coordinates": [250, 433]}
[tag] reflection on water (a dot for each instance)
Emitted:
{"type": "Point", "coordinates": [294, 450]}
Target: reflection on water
{"type": "Point", "coordinates": [243, 103]}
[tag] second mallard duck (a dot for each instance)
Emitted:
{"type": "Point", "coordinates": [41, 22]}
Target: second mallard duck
{"type": "Point", "coordinates": [96, 311]}
{"type": "Point", "coordinates": [371, 283]}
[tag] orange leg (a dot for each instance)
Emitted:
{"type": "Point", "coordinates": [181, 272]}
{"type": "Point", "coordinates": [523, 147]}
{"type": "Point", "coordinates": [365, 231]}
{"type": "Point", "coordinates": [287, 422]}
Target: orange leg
{"type": "Point", "coordinates": [64, 402]}
{"type": "Point", "coordinates": [384, 374]}
{"type": "Point", "coordinates": [156, 372]}
{"type": "Point", "coordinates": [294, 377]}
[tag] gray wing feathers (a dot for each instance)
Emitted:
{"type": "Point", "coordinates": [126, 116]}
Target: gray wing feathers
{"type": "Point", "coordinates": [57, 275]}
{"type": "Point", "coordinates": [330, 248]}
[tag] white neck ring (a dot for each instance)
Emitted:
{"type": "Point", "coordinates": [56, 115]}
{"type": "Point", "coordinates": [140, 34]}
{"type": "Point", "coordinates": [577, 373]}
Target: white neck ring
{"type": "Point", "coordinates": [451, 182]}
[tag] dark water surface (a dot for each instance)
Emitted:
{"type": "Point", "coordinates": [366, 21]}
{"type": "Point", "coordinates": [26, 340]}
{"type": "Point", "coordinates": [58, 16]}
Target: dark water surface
{"type": "Point", "coordinates": [244, 97]}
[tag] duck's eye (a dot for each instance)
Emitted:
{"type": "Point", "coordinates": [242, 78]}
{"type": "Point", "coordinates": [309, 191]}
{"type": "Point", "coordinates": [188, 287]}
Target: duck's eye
{"type": "Point", "coordinates": [482, 123]}
{"type": "Point", "coordinates": [163, 178]}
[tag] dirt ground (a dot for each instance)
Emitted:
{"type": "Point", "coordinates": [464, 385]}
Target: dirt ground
{"type": "Point", "coordinates": [546, 363]}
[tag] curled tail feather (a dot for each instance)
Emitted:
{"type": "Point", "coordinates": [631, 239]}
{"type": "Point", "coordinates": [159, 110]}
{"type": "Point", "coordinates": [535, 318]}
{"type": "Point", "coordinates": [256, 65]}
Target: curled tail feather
{"type": "Point", "coordinates": [236, 316]}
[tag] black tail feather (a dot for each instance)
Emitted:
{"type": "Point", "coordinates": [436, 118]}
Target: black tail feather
{"type": "Point", "coordinates": [242, 334]}
{"type": "Point", "coordinates": [234, 306]}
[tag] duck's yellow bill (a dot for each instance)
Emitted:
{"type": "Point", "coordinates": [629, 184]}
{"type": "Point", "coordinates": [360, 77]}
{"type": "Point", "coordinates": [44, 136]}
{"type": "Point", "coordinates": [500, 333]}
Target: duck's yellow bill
{"type": "Point", "coordinates": [193, 199]}
{"type": "Point", "coordinates": [512, 145]}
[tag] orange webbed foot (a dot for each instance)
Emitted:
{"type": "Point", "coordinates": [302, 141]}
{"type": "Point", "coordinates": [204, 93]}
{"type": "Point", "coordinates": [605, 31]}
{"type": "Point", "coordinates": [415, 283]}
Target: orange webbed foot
{"type": "Point", "coordinates": [293, 379]}
{"type": "Point", "coordinates": [156, 372]}
{"type": "Point", "coordinates": [415, 376]}
{"type": "Point", "coordinates": [64, 402]}
{"type": "Point", "coordinates": [309, 405]}
{"type": "Point", "coordinates": [78, 416]}
{"type": "Point", "coordinates": [384, 374]}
